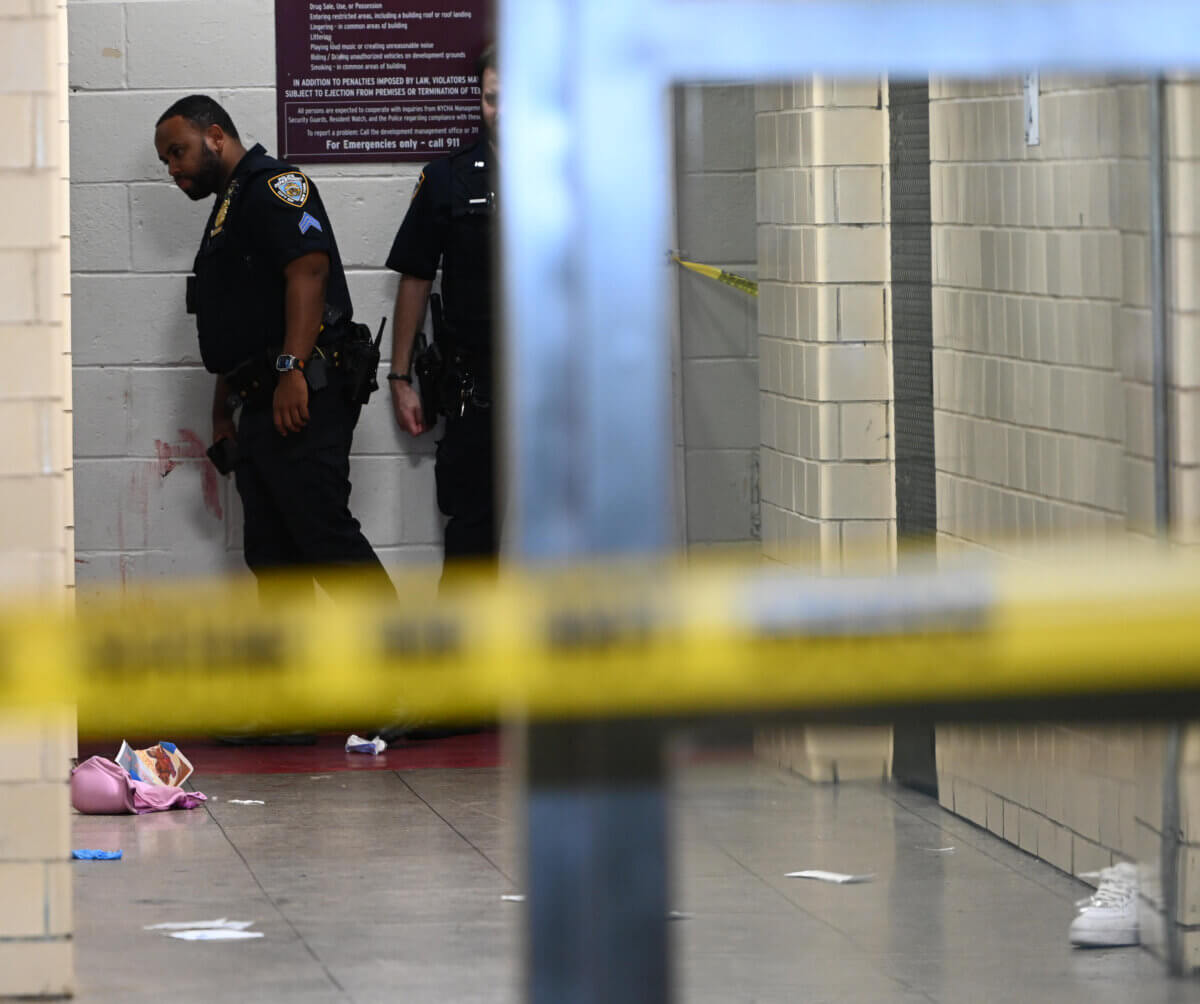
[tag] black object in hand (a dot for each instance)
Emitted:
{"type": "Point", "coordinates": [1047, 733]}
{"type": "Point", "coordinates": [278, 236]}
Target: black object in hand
{"type": "Point", "coordinates": [224, 454]}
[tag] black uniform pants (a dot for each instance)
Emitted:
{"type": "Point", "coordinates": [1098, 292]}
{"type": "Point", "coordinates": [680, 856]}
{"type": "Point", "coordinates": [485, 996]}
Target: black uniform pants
{"type": "Point", "coordinates": [466, 489]}
{"type": "Point", "coordinates": [295, 490]}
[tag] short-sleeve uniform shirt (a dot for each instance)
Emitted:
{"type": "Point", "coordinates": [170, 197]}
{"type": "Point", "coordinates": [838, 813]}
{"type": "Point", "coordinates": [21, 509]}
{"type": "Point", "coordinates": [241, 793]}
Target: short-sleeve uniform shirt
{"type": "Point", "coordinates": [269, 214]}
{"type": "Point", "coordinates": [449, 224]}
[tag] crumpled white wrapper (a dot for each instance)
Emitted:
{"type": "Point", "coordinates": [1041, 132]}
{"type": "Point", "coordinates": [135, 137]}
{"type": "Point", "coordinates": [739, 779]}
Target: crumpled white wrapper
{"type": "Point", "coordinates": [357, 744]}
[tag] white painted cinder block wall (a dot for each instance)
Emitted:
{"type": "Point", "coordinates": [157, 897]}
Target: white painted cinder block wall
{"type": "Point", "coordinates": [718, 341]}
{"type": "Point", "coordinates": [148, 504]}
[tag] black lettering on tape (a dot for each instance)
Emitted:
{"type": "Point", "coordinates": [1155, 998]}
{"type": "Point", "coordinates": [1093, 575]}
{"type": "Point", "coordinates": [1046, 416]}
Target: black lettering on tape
{"type": "Point", "coordinates": [437, 637]}
{"type": "Point", "coordinates": [574, 630]}
{"type": "Point", "coordinates": [117, 652]}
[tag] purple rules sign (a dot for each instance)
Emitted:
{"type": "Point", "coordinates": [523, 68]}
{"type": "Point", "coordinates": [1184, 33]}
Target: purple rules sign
{"type": "Point", "coordinates": [376, 80]}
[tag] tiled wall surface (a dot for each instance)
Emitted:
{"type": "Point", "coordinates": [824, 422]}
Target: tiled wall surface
{"type": "Point", "coordinates": [35, 484]}
{"type": "Point", "coordinates": [1028, 295]}
{"type": "Point", "coordinates": [828, 495]}
{"type": "Point", "coordinates": [718, 346]}
{"type": "Point", "coordinates": [1068, 795]}
{"type": "Point", "coordinates": [1039, 276]}
{"type": "Point", "coordinates": [1043, 369]}
{"type": "Point", "coordinates": [150, 505]}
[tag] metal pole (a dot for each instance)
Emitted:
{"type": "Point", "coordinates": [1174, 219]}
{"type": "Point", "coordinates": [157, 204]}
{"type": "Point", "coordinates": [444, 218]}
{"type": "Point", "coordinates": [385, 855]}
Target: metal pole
{"type": "Point", "coordinates": [1158, 310]}
{"type": "Point", "coordinates": [1160, 334]}
{"type": "Point", "coordinates": [1173, 941]}
{"type": "Point", "coordinates": [585, 171]}
{"type": "Point", "coordinates": [597, 865]}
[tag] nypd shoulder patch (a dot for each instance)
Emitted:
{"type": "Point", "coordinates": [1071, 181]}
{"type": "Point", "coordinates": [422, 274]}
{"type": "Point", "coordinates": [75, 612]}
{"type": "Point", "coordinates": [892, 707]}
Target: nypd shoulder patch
{"type": "Point", "coordinates": [291, 187]}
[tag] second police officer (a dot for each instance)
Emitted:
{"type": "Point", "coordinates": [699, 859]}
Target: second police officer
{"type": "Point", "coordinates": [450, 224]}
{"type": "Point", "coordinates": [273, 314]}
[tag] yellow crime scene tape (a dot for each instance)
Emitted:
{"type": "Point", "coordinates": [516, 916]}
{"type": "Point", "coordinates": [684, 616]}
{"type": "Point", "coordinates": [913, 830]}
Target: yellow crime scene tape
{"type": "Point", "coordinates": [660, 639]}
{"type": "Point", "coordinates": [720, 275]}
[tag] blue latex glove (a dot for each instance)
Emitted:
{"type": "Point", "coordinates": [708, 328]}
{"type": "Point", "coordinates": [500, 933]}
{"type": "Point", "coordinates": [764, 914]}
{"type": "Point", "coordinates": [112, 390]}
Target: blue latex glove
{"type": "Point", "coordinates": [89, 854]}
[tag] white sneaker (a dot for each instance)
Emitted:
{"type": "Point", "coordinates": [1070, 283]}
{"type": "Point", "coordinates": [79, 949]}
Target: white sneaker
{"type": "Point", "coordinates": [1109, 917]}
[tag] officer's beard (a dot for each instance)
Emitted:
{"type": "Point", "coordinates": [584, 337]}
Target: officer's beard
{"type": "Point", "coordinates": [208, 178]}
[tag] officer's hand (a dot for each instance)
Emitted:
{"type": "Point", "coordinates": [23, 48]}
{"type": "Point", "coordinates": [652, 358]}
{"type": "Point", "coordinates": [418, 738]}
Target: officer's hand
{"type": "Point", "coordinates": [406, 403]}
{"type": "Point", "coordinates": [223, 428]}
{"type": "Point", "coordinates": [291, 402]}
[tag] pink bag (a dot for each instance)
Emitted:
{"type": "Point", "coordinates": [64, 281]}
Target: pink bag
{"type": "Point", "coordinates": [100, 787]}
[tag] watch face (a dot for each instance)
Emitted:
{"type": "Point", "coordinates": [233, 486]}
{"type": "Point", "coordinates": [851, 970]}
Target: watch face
{"type": "Point", "coordinates": [285, 363]}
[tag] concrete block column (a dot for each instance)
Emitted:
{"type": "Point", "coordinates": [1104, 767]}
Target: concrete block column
{"type": "Point", "coordinates": [828, 495]}
{"type": "Point", "coordinates": [824, 370]}
{"type": "Point", "coordinates": [37, 537]}
{"type": "Point", "coordinates": [36, 952]}
{"type": "Point", "coordinates": [1183, 318]}
{"type": "Point", "coordinates": [1183, 325]}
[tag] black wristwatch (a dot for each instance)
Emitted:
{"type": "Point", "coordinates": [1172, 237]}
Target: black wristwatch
{"type": "Point", "coordinates": [284, 363]}
{"type": "Point", "coordinates": [400, 376]}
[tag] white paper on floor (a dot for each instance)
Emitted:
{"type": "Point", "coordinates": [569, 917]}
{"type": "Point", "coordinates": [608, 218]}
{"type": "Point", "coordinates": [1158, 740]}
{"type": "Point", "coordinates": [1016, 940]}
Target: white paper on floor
{"type": "Point", "coordinates": [246, 801]}
{"type": "Point", "coordinates": [836, 877]}
{"type": "Point", "coordinates": [193, 925]}
{"type": "Point", "coordinates": [937, 850]}
{"type": "Point", "coordinates": [215, 934]}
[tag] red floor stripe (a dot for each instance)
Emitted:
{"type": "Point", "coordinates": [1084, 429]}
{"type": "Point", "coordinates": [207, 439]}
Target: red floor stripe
{"type": "Point", "coordinates": [477, 749]}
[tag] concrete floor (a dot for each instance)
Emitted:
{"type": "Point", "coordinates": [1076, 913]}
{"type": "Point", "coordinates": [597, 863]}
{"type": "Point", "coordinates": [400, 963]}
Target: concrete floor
{"type": "Point", "coordinates": [386, 886]}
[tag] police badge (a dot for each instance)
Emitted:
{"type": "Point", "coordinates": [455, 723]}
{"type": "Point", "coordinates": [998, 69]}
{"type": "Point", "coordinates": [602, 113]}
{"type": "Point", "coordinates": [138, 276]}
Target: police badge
{"type": "Point", "coordinates": [291, 187]}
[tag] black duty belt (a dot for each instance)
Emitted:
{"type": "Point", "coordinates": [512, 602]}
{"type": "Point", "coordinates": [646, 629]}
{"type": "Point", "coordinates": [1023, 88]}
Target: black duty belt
{"type": "Point", "coordinates": [252, 383]}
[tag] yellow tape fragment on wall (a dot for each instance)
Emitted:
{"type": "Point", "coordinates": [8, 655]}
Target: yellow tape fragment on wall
{"type": "Point", "coordinates": [720, 275]}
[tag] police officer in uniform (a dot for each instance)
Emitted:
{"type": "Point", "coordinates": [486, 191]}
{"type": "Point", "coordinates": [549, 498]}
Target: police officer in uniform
{"type": "Point", "coordinates": [450, 223]}
{"type": "Point", "coordinates": [273, 314]}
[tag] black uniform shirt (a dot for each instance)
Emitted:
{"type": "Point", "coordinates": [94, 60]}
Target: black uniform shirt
{"type": "Point", "coordinates": [449, 223]}
{"type": "Point", "coordinates": [268, 215]}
